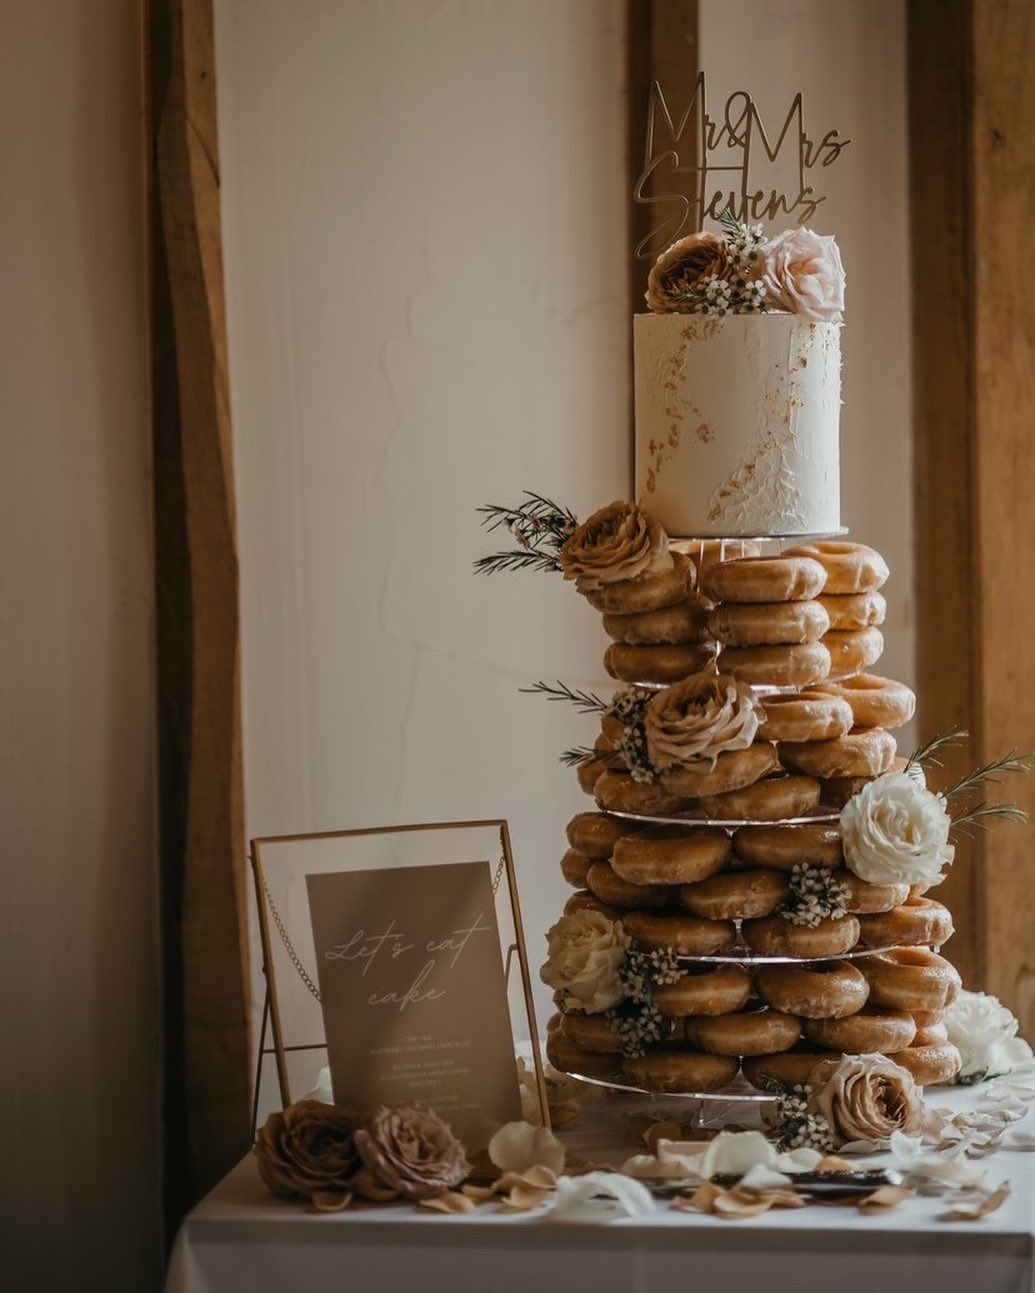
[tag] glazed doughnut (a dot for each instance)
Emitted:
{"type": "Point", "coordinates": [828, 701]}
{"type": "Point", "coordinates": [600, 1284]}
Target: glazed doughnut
{"type": "Point", "coordinates": [835, 792]}
{"type": "Point", "coordinates": [784, 847]}
{"type": "Point", "coordinates": [850, 567]}
{"type": "Point", "coordinates": [767, 623]}
{"type": "Point", "coordinates": [671, 1070]}
{"type": "Point", "coordinates": [865, 753]}
{"type": "Point", "coordinates": [707, 552]}
{"type": "Point", "coordinates": [671, 854]}
{"type": "Point", "coordinates": [774, 936]}
{"type": "Point", "coordinates": [853, 650]}
{"type": "Point", "coordinates": [564, 1055]}
{"type": "Point", "coordinates": [611, 727]}
{"type": "Point", "coordinates": [612, 890]}
{"type": "Point", "coordinates": [777, 666]}
{"type": "Point", "coordinates": [583, 900]}
{"type": "Point", "coordinates": [736, 895]}
{"type": "Point", "coordinates": [930, 1065]}
{"type": "Point", "coordinates": [866, 899]}
{"type": "Point", "coordinates": [574, 868]}
{"type": "Point", "coordinates": [685, 622]}
{"type": "Point", "coordinates": [664, 663]}
{"type": "Point", "coordinates": [590, 773]}
{"type": "Point", "coordinates": [868, 1032]}
{"type": "Point", "coordinates": [731, 770]}
{"type": "Point", "coordinates": [753, 1032]}
{"type": "Point", "coordinates": [875, 702]}
{"type": "Point", "coordinates": [769, 800]}
{"type": "Point", "coordinates": [791, 1068]}
{"type": "Point", "coordinates": [607, 747]}
{"type": "Point", "coordinates": [805, 716]}
{"type": "Point", "coordinates": [787, 578]}
{"type": "Point", "coordinates": [595, 834]}
{"type": "Point", "coordinates": [930, 1035]}
{"type": "Point", "coordinates": [925, 1019]}
{"type": "Point", "coordinates": [715, 990]}
{"type": "Point", "coordinates": [591, 1033]}
{"type": "Point", "coordinates": [634, 596]}
{"type": "Point", "coordinates": [825, 990]}
{"type": "Point", "coordinates": [685, 935]}
{"type": "Point", "coordinates": [914, 979]}
{"type": "Point", "coordinates": [919, 922]}
{"type": "Point", "coordinates": [618, 792]}
{"type": "Point", "coordinates": [854, 610]}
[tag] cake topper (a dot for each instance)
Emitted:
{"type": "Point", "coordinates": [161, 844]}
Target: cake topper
{"type": "Point", "coordinates": [701, 167]}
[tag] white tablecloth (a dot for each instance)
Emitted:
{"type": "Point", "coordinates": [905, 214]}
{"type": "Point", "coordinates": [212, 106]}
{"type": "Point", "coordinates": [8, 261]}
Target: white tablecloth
{"type": "Point", "coordinates": [241, 1238]}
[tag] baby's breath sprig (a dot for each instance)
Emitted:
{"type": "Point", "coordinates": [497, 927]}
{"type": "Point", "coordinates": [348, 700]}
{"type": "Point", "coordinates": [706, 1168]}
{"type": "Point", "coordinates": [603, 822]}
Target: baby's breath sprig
{"type": "Point", "coordinates": [795, 1126]}
{"type": "Point", "coordinates": [815, 896]}
{"type": "Point", "coordinates": [637, 1020]}
{"type": "Point", "coordinates": [629, 707]}
{"type": "Point", "coordinates": [636, 1025]}
{"type": "Point", "coordinates": [541, 528]}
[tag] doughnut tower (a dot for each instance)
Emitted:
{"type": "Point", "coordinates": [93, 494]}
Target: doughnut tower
{"type": "Point", "coordinates": [726, 868]}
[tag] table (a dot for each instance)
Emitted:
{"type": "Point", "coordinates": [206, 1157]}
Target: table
{"type": "Point", "coordinates": [241, 1238]}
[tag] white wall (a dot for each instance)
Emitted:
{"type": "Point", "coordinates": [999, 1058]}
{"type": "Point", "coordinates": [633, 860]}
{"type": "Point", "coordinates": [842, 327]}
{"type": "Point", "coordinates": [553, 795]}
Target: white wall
{"type": "Point", "coordinates": [79, 1185]}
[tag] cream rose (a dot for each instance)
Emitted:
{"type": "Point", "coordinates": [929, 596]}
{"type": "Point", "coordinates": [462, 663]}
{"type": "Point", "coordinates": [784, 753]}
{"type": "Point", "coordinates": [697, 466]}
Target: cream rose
{"type": "Point", "coordinates": [408, 1151]}
{"type": "Point", "coordinates": [700, 718]}
{"type": "Point", "coordinates": [619, 542]}
{"type": "Point", "coordinates": [895, 831]}
{"type": "Point", "coordinates": [678, 268]}
{"type": "Point", "coordinates": [803, 275]}
{"type": "Point", "coordinates": [866, 1097]}
{"type": "Point", "coordinates": [585, 951]}
{"type": "Point", "coordinates": [985, 1032]}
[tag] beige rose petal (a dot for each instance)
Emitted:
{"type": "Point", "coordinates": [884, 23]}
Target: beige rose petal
{"type": "Point", "coordinates": [668, 1130]}
{"type": "Point", "coordinates": [518, 1146]}
{"type": "Point", "coordinates": [973, 1204]}
{"type": "Point", "coordinates": [884, 1198]}
{"type": "Point", "coordinates": [450, 1202]}
{"type": "Point", "coordinates": [479, 1193]}
{"type": "Point", "coordinates": [523, 1198]}
{"type": "Point", "coordinates": [331, 1200]}
{"type": "Point", "coordinates": [834, 1164]}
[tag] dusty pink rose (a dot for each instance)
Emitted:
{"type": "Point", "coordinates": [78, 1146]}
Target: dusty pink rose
{"type": "Point", "coordinates": [677, 270]}
{"type": "Point", "coordinates": [308, 1150]}
{"type": "Point", "coordinates": [866, 1097]}
{"type": "Point", "coordinates": [618, 542]}
{"type": "Point", "coordinates": [408, 1151]}
{"type": "Point", "coordinates": [700, 718]}
{"type": "Point", "coordinates": [803, 275]}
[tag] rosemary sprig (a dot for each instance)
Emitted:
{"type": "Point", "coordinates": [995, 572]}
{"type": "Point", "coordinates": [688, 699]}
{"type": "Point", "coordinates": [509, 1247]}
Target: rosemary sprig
{"type": "Point", "coordinates": [586, 702]}
{"type": "Point", "coordinates": [989, 774]}
{"type": "Point", "coordinates": [517, 559]}
{"type": "Point", "coordinates": [541, 528]}
{"type": "Point", "coordinates": [577, 755]}
{"type": "Point", "coordinates": [978, 817]}
{"type": "Point", "coordinates": [930, 754]}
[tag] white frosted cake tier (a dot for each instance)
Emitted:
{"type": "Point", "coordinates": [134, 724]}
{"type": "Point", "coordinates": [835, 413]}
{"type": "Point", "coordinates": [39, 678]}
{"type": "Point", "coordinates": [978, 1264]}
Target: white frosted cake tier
{"type": "Point", "coordinates": [737, 423]}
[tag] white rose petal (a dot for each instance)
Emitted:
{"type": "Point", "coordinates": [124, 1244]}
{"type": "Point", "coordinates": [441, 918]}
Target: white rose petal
{"type": "Point", "coordinates": [896, 832]}
{"type": "Point", "coordinates": [518, 1146]}
{"type": "Point", "coordinates": [732, 1153]}
{"type": "Point", "coordinates": [600, 1196]}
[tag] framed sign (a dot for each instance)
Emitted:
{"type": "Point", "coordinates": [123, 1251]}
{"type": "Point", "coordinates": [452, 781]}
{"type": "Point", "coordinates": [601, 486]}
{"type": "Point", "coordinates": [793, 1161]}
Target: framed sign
{"type": "Point", "coordinates": [396, 958]}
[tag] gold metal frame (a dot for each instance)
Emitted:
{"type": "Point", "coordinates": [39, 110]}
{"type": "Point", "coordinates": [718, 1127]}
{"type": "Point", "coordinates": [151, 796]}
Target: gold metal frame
{"type": "Point", "coordinates": [271, 1018]}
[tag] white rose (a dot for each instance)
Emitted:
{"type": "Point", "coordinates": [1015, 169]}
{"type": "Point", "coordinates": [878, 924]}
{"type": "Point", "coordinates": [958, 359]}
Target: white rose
{"type": "Point", "coordinates": [803, 274]}
{"type": "Point", "coordinates": [894, 831]}
{"type": "Point", "coordinates": [985, 1033]}
{"type": "Point", "coordinates": [585, 951]}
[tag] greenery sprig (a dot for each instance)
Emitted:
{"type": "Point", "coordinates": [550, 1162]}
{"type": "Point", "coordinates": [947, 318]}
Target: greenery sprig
{"type": "Point", "coordinates": [541, 528]}
{"type": "Point", "coordinates": [979, 816]}
{"type": "Point", "coordinates": [587, 702]}
{"type": "Point", "coordinates": [929, 755]}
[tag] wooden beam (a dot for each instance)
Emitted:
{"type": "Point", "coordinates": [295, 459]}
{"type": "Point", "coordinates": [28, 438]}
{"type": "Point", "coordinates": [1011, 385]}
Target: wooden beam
{"type": "Point", "coordinates": [204, 911]}
{"type": "Point", "coordinates": [972, 145]}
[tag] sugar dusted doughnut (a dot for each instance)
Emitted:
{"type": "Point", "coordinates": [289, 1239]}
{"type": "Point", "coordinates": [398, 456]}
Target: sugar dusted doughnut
{"type": "Point", "coordinates": [671, 854]}
{"type": "Point", "coordinates": [664, 663]}
{"type": "Point", "coordinates": [564, 1055]}
{"type": "Point", "coordinates": [865, 899]}
{"type": "Point", "coordinates": [875, 702]}
{"type": "Point", "coordinates": [926, 1019]}
{"type": "Point", "coordinates": [583, 900]}
{"type": "Point", "coordinates": [767, 623]}
{"type": "Point", "coordinates": [873, 1029]}
{"type": "Point", "coordinates": [595, 834]}
{"type": "Point", "coordinates": [590, 773]}
{"type": "Point", "coordinates": [823, 990]}
{"type": "Point", "coordinates": [736, 895]}
{"type": "Point", "coordinates": [769, 800]}
{"type": "Point", "coordinates": [575, 867]}
{"type": "Point", "coordinates": [835, 792]}
{"type": "Point", "coordinates": [618, 792]}
{"type": "Point", "coordinates": [919, 922]}
{"type": "Point", "coordinates": [749, 1032]}
{"type": "Point", "coordinates": [850, 567]}
{"type": "Point", "coordinates": [784, 847]}
{"type": "Point", "coordinates": [774, 936]}
{"type": "Point", "coordinates": [634, 596]}
{"type": "Point", "coordinates": [611, 889]}
{"type": "Point", "coordinates": [787, 578]}
{"type": "Point", "coordinates": [687, 621]}
{"type": "Point", "coordinates": [914, 979]}
{"type": "Point", "coordinates": [715, 990]}
{"type": "Point", "coordinates": [672, 1070]}
{"type": "Point", "coordinates": [805, 716]}
{"type": "Point", "coordinates": [686, 935]}
{"type": "Point", "coordinates": [864, 753]}
{"type": "Point", "coordinates": [931, 1035]}
{"type": "Point", "coordinates": [590, 1033]}
{"type": "Point", "coordinates": [730, 770]}
{"type": "Point", "coordinates": [930, 1065]}
{"type": "Point", "coordinates": [707, 552]}
{"type": "Point", "coordinates": [853, 650]}
{"type": "Point", "coordinates": [777, 666]}
{"type": "Point", "coordinates": [854, 610]}
{"type": "Point", "coordinates": [790, 1068]}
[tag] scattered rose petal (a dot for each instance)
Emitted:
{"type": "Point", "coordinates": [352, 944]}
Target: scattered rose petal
{"type": "Point", "coordinates": [799, 1160]}
{"type": "Point", "coordinates": [450, 1202]}
{"type": "Point", "coordinates": [653, 1167]}
{"type": "Point", "coordinates": [657, 1131]}
{"type": "Point", "coordinates": [941, 1166]}
{"type": "Point", "coordinates": [862, 1147]}
{"type": "Point", "coordinates": [975, 1203]}
{"type": "Point", "coordinates": [1015, 1138]}
{"type": "Point", "coordinates": [884, 1198]}
{"type": "Point", "coordinates": [834, 1164]}
{"type": "Point", "coordinates": [735, 1204]}
{"type": "Point", "coordinates": [732, 1153]}
{"type": "Point", "coordinates": [523, 1198]}
{"type": "Point", "coordinates": [600, 1196]}
{"type": "Point", "coordinates": [478, 1193]}
{"type": "Point", "coordinates": [760, 1178]}
{"type": "Point", "coordinates": [518, 1146]}
{"type": "Point", "coordinates": [332, 1200]}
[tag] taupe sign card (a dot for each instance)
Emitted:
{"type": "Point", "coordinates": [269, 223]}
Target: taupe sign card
{"type": "Point", "coordinates": [413, 993]}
